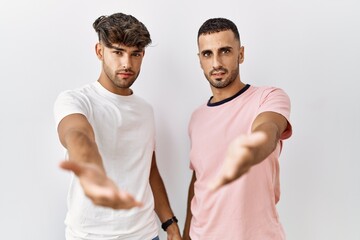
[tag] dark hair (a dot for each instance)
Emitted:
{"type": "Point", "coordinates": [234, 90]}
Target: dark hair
{"type": "Point", "coordinates": [120, 28]}
{"type": "Point", "coordinates": [214, 25]}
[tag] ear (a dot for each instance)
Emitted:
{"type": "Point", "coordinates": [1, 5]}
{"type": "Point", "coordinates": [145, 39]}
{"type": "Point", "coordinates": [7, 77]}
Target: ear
{"type": "Point", "coordinates": [241, 54]}
{"type": "Point", "coordinates": [99, 50]}
{"type": "Point", "coordinates": [200, 61]}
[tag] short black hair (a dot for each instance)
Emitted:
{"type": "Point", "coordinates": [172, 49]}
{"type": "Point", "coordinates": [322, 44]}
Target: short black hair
{"type": "Point", "coordinates": [214, 25]}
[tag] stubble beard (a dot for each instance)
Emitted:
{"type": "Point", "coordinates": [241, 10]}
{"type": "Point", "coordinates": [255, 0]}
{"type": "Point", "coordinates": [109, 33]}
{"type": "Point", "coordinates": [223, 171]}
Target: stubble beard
{"type": "Point", "coordinates": [222, 83]}
{"type": "Point", "coordinates": [117, 81]}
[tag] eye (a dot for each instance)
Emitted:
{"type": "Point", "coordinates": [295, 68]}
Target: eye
{"type": "Point", "coordinates": [137, 54]}
{"type": "Point", "coordinates": [117, 52]}
{"type": "Point", "coordinates": [225, 51]}
{"type": "Point", "coordinates": [206, 54]}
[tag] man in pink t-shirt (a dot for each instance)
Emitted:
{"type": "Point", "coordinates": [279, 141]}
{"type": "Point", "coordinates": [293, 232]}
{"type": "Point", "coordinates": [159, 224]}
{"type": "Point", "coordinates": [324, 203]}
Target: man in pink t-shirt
{"type": "Point", "coordinates": [236, 139]}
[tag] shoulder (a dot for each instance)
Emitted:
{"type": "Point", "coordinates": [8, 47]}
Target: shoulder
{"type": "Point", "coordinates": [141, 101]}
{"type": "Point", "coordinates": [77, 93]}
{"type": "Point", "coordinates": [266, 93]}
{"type": "Point", "coordinates": [70, 102]}
{"type": "Point", "coordinates": [199, 111]}
{"type": "Point", "coordinates": [77, 100]}
{"type": "Point", "coordinates": [266, 90]}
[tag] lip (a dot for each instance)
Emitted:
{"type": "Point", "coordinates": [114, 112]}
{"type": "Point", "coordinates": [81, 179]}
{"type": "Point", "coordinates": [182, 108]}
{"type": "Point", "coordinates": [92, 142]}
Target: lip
{"type": "Point", "coordinates": [218, 74]}
{"type": "Point", "coordinates": [125, 74]}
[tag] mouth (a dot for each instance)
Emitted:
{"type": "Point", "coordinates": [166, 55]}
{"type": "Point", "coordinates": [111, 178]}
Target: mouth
{"type": "Point", "coordinates": [218, 75]}
{"type": "Point", "coordinates": [125, 74]}
{"type": "Point", "coordinates": [218, 72]}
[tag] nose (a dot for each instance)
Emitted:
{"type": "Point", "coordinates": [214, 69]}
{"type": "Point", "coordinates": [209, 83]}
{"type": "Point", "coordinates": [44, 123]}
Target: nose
{"type": "Point", "coordinates": [216, 63]}
{"type": "Point", "coordinates": [126, 62]}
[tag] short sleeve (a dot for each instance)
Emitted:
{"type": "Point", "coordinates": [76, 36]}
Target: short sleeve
{"type": "Point", "coordinates": [70, 102]}
{"type": "Point", "coordinates": [276, 100]}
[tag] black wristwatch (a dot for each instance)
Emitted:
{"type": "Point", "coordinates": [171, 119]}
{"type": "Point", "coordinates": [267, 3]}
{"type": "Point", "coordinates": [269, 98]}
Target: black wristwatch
{"type": "Point", "coordinates": [168, 222]}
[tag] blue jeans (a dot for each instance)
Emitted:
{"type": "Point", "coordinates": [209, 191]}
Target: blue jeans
{"type": "Point", "coordinates": [157, 238]}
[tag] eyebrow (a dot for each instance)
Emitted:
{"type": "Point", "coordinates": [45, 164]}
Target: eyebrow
{"type": "Point", "coordinates": [206, 51]}
{"type": "Point", "coordinates": [225, 48]}
{"type": "Point", "coordinates": [117, 48]}
{"type": "Point", "coordinates": [123, 50]}
{"type": "Point", "coordinates": [220, 49]}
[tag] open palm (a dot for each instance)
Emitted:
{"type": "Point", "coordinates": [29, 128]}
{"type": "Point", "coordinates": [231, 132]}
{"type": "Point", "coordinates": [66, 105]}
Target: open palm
{"type": "Point", "coordinates": [98, 187]}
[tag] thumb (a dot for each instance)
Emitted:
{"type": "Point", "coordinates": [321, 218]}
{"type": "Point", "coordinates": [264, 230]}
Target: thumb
{"type": "Point", "coordinates": [254, 139]}
{"type": "Point", "coordinates": [216, 184]}
{"type": "Point", "coordinates": [129, 198]}
{"type": "Point", "coordinates": [71, 166]}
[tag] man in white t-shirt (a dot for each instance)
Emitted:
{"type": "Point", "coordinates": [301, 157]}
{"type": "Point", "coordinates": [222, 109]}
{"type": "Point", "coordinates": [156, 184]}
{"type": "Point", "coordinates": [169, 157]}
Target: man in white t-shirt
{"type": "Point", "coordinates": [109, 134]}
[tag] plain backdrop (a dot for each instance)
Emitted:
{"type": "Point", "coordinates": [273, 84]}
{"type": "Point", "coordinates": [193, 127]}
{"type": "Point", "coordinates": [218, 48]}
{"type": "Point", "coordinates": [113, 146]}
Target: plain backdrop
{"type": "Point", "coordinates": [310, 48]}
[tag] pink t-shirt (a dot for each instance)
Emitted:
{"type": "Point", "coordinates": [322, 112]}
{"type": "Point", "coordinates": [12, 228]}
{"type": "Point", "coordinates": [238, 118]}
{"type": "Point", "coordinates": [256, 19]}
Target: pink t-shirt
{"type": "Point", "coordinates": [244, 209]}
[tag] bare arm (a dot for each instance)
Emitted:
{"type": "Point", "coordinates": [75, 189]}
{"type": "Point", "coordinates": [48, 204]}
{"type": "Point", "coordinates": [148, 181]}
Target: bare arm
{"type": "Point", "coordinates": [77, 136]}
{"type": "Point", "coordinates": [186, 233]}
{"type": "Point", "coordinates": [248, 150]}
{"type": "Point", "coordinates": [162, 205]}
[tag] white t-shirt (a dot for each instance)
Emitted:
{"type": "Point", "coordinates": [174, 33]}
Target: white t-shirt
{"type": "Point", "coordinates": [125, 134]}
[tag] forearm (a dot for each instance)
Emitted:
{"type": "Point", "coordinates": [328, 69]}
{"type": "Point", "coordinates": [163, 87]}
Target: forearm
{"type": "Point", "coordinates": [265, 148]}
{"type": "Point", "coordinates": [162, 204]}
{"type": "Point", "coordinates": [82, 148]}
{"type": "Point", "coordinates": [186, 231]}
{"type": "Point", "coordinates": [271, 125]}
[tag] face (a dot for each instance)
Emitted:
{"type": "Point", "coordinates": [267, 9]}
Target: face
{"type": "Point", "coordinates": [121, 66]}
{"type": "Point", "coordinates": [220, 55]}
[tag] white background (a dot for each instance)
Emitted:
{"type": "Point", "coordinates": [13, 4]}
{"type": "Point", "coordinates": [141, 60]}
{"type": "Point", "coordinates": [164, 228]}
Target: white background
{"type": "Point", "coordinates": [310, 48]}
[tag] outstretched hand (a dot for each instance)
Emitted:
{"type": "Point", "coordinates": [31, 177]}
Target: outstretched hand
{"type": "Point", "coordinates": [239, 158]}
{"type": "Point", "coordinates": [98, 187]}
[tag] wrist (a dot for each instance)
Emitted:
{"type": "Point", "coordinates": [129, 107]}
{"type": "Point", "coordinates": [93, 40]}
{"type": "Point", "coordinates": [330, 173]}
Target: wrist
{"type": "Point", "coordinates": [173, 230]}
{"type": "Point", "coordinates": [169, 224]}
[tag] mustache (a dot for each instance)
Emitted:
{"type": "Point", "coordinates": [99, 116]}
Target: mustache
{"type": "Point", "coordinates": [126, 70]}
{"type": "Point", "coordinates": [220, 69]}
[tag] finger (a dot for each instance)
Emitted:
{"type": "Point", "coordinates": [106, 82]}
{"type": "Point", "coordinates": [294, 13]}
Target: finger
{"type": "Point", "coordinates": [116, 200]}
{"type": "Point", "coordinates": [129, 200]}
{"type": "Point", "coordinates": [218, 183]}
{"type": "Point", "coordinates": [71, 166]}
{"type": "Point", "coordinates": [253, 139]}
{"type": "Point", "coordinates": [134, 204]}
{"type": "Point", "coordinates": [224, 178]}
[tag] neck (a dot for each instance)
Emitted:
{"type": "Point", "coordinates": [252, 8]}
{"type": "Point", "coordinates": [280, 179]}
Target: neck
{"type": "Point", "coordinates": [220, 94]}
{"type": "Point", "coordinates": [111, 87]}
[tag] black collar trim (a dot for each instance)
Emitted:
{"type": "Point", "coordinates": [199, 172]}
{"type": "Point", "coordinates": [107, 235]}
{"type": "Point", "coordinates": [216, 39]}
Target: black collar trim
{"type": "Point", "coordinates": [209, 104]}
